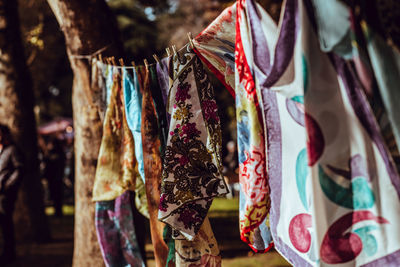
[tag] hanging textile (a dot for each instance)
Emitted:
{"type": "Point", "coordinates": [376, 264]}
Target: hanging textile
{"type": "Point", "coordinates": [191, 175]}
{"type": "Point", "coordinates": [354, 36]}
{"type": "Point", "coordinates": [254, 192]}
{"type": "Point", "coordinates": [339, 169]}
{"type": "Point", "coordinates": [202, 251]}
{"type": "Point", "coordinates": [116, 167]}
{"type": "Point", "coordinates": [133, 110]}
{"type": "Point", "coordinates": [163, 68]}
{"type": "Point", "coordinates": [152, 166]}
{"type": "Point", "coordinates": [215, 46]}
{"type": "Point", "coordinates": [116, 232]}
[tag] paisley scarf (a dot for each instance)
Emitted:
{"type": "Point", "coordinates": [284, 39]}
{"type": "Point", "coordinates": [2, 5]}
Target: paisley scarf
{"type": "Point", "coordinates": [191, 174]}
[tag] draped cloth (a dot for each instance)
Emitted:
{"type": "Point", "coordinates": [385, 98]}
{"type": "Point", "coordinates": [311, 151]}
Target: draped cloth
{"type": "Point", "coordinates": [116, 232]}
{"type": "Point", "coordinates": [116, 167]}
{"type": "Point", "coordinates": [254, 192]}
{"type": "Point", "coordinates": [191, 159]}
{"type": "Point", "coordinates": [334, 187]}
{"type": "Point", "coordinates": [215, 46]}
{"type": "Point", "coordinates": [152, 165]}
{"type": "Point", "coordinates": [191, 174]}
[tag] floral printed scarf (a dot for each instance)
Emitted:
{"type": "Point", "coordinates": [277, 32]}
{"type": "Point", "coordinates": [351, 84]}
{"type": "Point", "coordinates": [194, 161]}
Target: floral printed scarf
{"type": "Point", "coordinates": [191, 175]}
{"type": "Point", "coordinates": [254, 191]}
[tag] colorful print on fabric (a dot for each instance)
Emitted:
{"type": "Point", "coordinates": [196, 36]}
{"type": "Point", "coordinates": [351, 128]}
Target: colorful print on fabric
{"type": "Point", "coordinates": [215, 46]}
{"type": "Point", "coordinates": [313, 104]}
{"type": "Point", "coordinates": [191, 174]}
{"type": "Point", "coordinates": [116, 167]}
{"type": "Point", "coordinates": [116, 232]}
{"type": "Point", "coordinates": [254, 190]}
{"type": "Point", "coordinates": [201, 252]}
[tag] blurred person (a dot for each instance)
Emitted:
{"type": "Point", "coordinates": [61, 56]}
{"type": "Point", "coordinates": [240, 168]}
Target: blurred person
{"type": "Point", "coordinates": [11, 168]}
{"type": "Point", "coordinates": [54, 160]}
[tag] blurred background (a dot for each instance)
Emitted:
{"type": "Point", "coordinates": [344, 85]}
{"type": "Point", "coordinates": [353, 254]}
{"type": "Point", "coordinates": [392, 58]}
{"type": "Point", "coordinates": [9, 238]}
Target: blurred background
{"type": "Point", "coordinates": [146, 28]}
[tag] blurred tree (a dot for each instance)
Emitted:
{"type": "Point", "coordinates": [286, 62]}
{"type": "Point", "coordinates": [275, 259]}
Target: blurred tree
{"type": "Point", "coordinates": [16, 111]}
{"type": "Point", "coordinates": [139, 34]}
{"type": "Point", "coordinates": [47, 60]}
{"type": "Point", "coordinates": [88, 26]}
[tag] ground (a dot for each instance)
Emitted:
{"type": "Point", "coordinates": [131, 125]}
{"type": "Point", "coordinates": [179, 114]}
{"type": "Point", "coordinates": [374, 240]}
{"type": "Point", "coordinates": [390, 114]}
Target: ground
{"type": "Point", "coordinates": [223, 217]}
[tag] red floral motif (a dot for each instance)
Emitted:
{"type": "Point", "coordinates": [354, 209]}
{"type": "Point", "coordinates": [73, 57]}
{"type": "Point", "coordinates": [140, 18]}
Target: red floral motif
{"type": "Point", "coordinates": [190, 130]}
{"type": "Point", "coordinates": [187, 216]}
{"type": "Point", "coordinates": [183, 160]}
{"type": "Point", "coordinates": [163, 203]}
{"type": "Point", "coordinates": [182, 92]}
{"type": "Point", "coordinates": [210, 110]}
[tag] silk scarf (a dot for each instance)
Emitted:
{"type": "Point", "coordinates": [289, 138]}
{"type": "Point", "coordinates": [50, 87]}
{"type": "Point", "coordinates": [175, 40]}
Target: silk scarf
{"type": "Point", "coordinates": [116, 232]}
{"type": "Point", "coordinates": [116, 167]}
{"type": "Point", "coordinates": [191, 173]}
{"type": "Point", "coordinates": [215, 46]}
{"type": "Point", "coordinates": [254, 192]}
{"type": "Point", "coordinates": [152, 166]}
{"type": "Point", "coordinates": [339, 169]}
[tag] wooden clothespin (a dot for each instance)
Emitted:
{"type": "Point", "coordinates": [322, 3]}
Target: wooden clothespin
{"type": "Point", "coordinates": [156, 58]}
{"type": "Point", "coordinates": [108, 61]}
{"type": "Point", "coordinates": [133, 64]}
{"type": "Point", "coordinates": [146, 63]}
{"type": "Point", "coordinates": [189, 34]}
{"type": "Point", "coordinates": [121, 62]}
{"type": "Point", "coordinates": [100, 58]}
{"type": "Point", "coordinates": [168, 51]}
{"type": "Point", "coordinates": [113, 61]}
{"type": "Point", "coordinates": [174, 50]}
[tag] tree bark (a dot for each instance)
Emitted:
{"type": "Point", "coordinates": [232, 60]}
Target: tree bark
{"type": "Point", "coordinates": [16, 111]}
{"type": "Point", "coordinates": [88, 26]}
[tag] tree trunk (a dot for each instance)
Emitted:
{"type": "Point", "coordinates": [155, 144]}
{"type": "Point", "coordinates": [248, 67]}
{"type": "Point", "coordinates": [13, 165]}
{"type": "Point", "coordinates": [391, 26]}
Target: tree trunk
{"type": "Point", "coordinates": [16, 111]}
{"type": "Point", "coordinates": [88, 26]}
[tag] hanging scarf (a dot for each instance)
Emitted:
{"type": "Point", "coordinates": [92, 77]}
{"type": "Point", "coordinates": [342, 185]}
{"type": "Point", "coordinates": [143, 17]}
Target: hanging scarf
{"type": "Point", "coordinates": [191, 175]}
{"type": "Point", "coordinates": [343, 218]}
{"type": "Point", "coordinates": [353, 32]}
{"type": "Point", "coordinates": [202, 251]}
{"type": "Point", "coordinates": [254, 191]}
{"type": "Point", "coordinates": [152, 166]}
{"type": "Point", "coordinates": [116, 232]}
{"type": "Point", "coordinates": [215, 46]}
{"type": "Point", "coordinates": [116, 167]}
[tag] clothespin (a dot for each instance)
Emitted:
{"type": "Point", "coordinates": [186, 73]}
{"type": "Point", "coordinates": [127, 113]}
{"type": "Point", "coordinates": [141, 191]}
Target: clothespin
{"type": "Point", "coordinates": [156, 58]}
{"type": "Point", "coordinates": [146, 63]}
{"type": "Point", "coordinates": [100, 58]}
{"type": "Point", "coordinates": [189, 34]}
{"type": "Point", "coordinates": [133, 64]}
{"type": "Point", "coordinates": [108, 61]}
{"type": "Point", "coordinates": [174, 50]}
{"type": "Point", "coordinates": [121, 62]}
{"type": "Point", "coordinates": [113, 61]}
{"type": "Point", "coordinates": [168, 51]}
